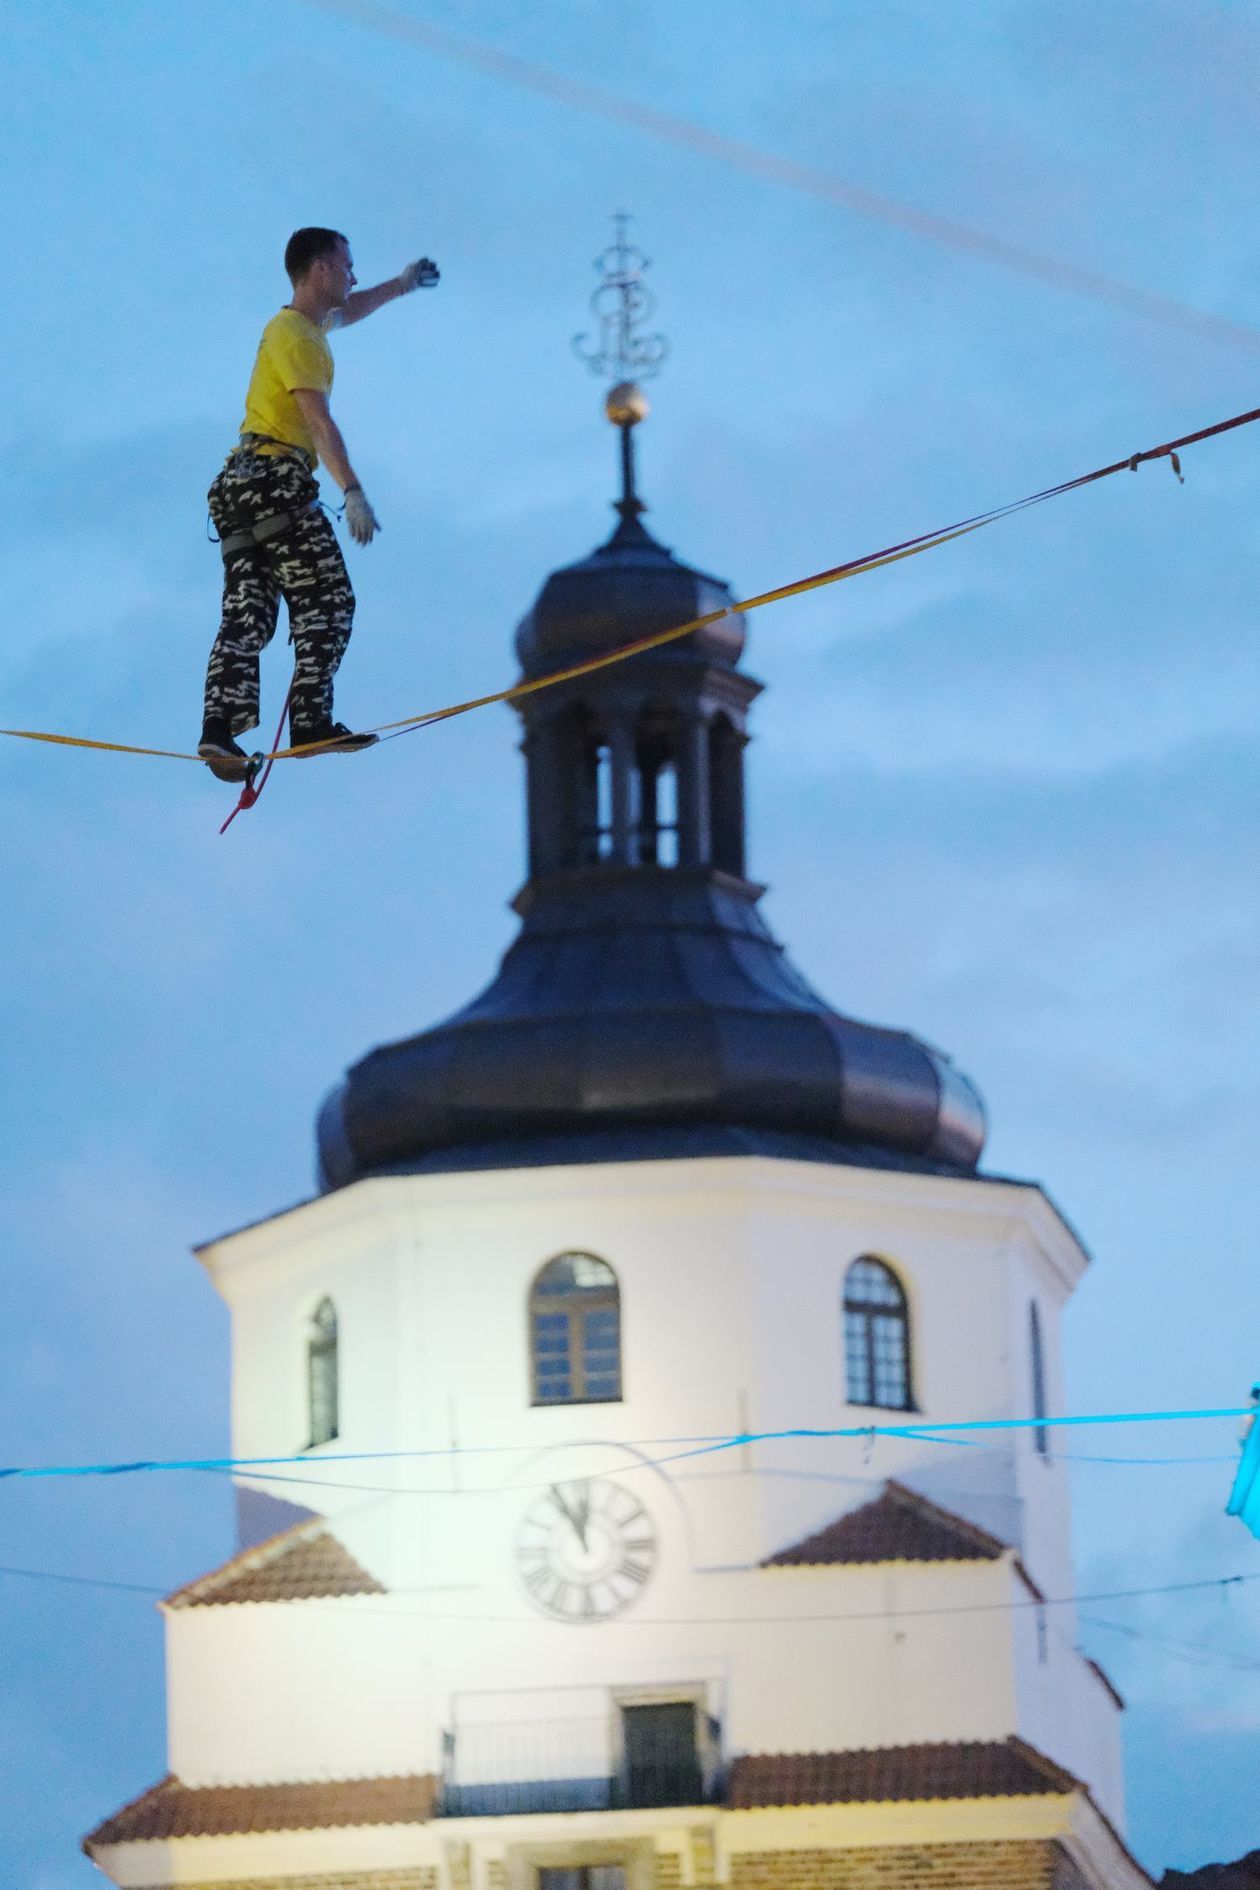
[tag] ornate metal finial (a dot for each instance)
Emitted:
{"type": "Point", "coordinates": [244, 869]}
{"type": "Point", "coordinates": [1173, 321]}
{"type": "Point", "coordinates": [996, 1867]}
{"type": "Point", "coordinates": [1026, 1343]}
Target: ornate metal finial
{"type": "Point", "coordinates": [621, 305]}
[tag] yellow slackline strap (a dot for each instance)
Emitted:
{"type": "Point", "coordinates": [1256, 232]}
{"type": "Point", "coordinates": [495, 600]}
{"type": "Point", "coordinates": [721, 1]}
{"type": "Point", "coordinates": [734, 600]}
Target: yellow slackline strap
{"type": "Point", "coordinates": [83, 741]}
{"type": "Point", "coordinates": [592, 663]}
{"type": "Point", "coordinates": [874, 562]}
{"type": "Point", "coordinates": [585, 668]}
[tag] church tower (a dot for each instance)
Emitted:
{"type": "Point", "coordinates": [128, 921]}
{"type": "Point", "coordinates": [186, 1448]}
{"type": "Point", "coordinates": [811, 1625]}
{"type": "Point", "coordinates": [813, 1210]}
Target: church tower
{"type": "Point", "coordinates": [647, 1193]}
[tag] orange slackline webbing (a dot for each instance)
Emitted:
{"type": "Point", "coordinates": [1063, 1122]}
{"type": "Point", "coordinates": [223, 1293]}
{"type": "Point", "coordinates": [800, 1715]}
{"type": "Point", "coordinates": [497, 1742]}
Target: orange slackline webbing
{"type": "Point", "coordinates": [871, 561]}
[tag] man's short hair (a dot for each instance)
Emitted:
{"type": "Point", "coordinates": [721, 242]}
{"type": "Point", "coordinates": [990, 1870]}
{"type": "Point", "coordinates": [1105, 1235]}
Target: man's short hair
{"type": "Point", "coordinates": [305, 247]}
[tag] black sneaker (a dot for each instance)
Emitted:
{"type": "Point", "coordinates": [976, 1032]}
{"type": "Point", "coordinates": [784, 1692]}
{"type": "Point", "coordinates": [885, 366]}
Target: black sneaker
{"type": "Point", "coordinates": [329, 738]}
{"type": "Point", "coordinates": [226, 760]}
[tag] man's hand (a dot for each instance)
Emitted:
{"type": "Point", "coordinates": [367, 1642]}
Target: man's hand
{"type": "Point", "coordinates": [360, 517]}
{"type": "Point", "coordinates": [419, 275]}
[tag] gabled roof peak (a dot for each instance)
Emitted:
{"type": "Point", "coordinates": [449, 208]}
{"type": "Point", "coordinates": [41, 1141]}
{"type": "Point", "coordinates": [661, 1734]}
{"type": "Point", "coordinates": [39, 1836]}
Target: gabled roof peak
{"type": "Point", "coordinates": [898, 1525]}
{"type": "Point", "coordinates": [304, 1563]}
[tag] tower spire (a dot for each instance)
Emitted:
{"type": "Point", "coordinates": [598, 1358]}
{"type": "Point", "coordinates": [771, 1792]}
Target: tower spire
{"type": "Point", "coordinates": [621, 353]}
{"type": "Point", "coordinates": [644, 1007]}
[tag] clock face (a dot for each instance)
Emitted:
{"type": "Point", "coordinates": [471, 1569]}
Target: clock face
{"type": "Point", "coordinates": [585, 1549]}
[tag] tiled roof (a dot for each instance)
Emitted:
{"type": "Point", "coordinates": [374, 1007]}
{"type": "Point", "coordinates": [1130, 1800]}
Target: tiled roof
{"type": "Point", "coordinates": [1244, 1875]}
{"type": "Point", "coordinates": [1106, 1680]}
{"type": "Point", "coordinates": [174, 1810]}
{"type": "Point", "coordinates": [298, 1565]}
{"type": "Point", "coordinates": [1000, 1769]}
{"type": "Point", "coordinates": [899, 1525]}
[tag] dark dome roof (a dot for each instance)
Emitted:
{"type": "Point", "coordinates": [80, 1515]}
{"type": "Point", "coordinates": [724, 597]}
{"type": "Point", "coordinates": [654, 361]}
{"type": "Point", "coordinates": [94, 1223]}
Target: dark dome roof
{"type": "Point", "coordinates": [649, 999]}
{"type": "Point", "coordinates": [644, 1011]}
{"type": "Point", "coordinates": [630, 587]}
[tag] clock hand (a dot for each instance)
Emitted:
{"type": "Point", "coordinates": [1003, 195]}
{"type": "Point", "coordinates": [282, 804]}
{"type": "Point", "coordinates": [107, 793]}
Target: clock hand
{"type": "Point", "coordinates": [575, 1522]}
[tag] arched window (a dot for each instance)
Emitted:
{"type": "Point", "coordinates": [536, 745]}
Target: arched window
{"type": "Point", "coordinates": [1037, 1357]}
{"type": "Point", "coordinates": [575, 1332]}
{"type": "Point", "coordinates": [321, 1373]}
{"type": "Point", "coordinates": [876, 1337]}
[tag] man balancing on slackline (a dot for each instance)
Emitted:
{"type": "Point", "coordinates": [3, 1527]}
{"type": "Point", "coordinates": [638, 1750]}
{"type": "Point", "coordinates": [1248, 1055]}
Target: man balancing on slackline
{"type": "Point", "coordinates": [276, 540]}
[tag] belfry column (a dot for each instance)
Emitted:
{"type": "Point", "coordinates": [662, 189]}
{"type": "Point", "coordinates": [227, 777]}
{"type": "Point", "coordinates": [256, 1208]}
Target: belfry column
{"type": "Point", "coordinates": [694, 845]}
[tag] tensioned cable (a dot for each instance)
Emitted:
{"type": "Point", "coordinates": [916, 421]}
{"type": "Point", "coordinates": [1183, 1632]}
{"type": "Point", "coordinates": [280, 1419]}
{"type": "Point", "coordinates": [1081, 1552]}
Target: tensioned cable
{"type": "Point", "coordinates": [829, 1615]}
{"type": "Point", "coordinates": [755, 1470]}
{"type": "Point", "coordinates": [854, 567]}
{"type": "Point", "coordinates": [699, 1447]}
{"type": "Point", "coordinates": [1198, 1652]}
{"type": "Point", "coordinates": [739, 1620]}
{"type": "Point", "coordinates": [673, 129]}
{"type": "Point", "coordinates": [860, 1615]}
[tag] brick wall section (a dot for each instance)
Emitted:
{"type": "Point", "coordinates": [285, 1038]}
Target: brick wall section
{"type": "Point", "coordinates": [995, 1866]}
{"type": "Point", "coordinates": [419, 1879]}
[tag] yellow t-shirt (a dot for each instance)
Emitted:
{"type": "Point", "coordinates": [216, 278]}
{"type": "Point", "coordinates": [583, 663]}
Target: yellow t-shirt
{"type": "Point", "coordinates": [293, 352]}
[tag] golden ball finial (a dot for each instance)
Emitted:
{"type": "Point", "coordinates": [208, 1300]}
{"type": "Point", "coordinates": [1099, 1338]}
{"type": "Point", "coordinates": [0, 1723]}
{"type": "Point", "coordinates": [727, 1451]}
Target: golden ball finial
{"type": "Point", "coordinates": [626, 404]}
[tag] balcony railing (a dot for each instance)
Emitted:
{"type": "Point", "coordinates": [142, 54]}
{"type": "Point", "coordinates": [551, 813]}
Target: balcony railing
{"type": "Point", "coordinates": [613, 1763]}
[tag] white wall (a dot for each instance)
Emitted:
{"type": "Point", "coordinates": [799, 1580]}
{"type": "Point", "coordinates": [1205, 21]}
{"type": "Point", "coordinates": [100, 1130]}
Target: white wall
{"type": "Point", "coordinates": [258, 1693]}
{"type": "Point", "coordinates": [731, 1276]}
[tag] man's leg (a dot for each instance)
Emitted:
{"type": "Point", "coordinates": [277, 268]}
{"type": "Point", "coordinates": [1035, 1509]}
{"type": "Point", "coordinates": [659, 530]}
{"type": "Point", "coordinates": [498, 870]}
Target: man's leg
{"type": "Point", "coordinates": [243, 493]}
{"type": "Point", "coordinates": [311, 572]}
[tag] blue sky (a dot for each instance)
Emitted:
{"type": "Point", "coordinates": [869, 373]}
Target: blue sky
{"type": "Point", "coordinates": [1006, 795]}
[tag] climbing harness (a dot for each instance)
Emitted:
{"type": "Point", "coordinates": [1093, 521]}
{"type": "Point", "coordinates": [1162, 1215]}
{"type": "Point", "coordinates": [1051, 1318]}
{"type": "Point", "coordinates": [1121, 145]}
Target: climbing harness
{"type": "Point", "coordinates": [276, 522]}
{"type": "Point", "coordinates": [265, 528]}
{"type": "Point", "coordinates": [261, 765]}
{"type": "Point", "coordinates": [250, 442]}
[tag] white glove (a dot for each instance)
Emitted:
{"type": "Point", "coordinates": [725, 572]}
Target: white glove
{"type": "Point", "coordinates": [418, 275]}
{"type": "Point", "coordinates": [360, 517]}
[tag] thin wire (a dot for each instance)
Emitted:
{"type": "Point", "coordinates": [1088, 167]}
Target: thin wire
{"type": "Point", "coordinates": [753, 1470]}
{"type": "Point", "coordinates": [77, 1581]}
{"type": "Point", "coordinates": [673, 129]}
{"type": "Point", "coordinates": [1071, 1456]}
{"type": "Point", "coordinates": [1196, 1651]}
{"type": "Point", "coordinates": [699, 1447]}
{"type": "Point", "coordinates": [862, 1615]}
{"type": "Point", "coordinates": [623, 1469]}
{"type": "Point", "coordinates": [702, 1620]}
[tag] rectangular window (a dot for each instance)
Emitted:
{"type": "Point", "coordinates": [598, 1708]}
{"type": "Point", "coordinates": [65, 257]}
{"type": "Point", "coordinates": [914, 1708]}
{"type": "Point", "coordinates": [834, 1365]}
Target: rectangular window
{"type": "Point", "coordinates": [601, 1353]}
{"type": "Point", "coordinates": [551, 1356]}
{"type": "Point", "coordinates": [857, 1374]}
{"type": "Point", "coordinates": [889, 1345]}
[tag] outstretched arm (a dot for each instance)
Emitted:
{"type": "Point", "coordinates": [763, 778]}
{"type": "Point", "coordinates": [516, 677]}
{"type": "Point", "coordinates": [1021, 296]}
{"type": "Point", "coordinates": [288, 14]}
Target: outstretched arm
{"type": "Point", "coordinates": [417, 275]}
{"type": "Point", "coordinates": [363, 302]}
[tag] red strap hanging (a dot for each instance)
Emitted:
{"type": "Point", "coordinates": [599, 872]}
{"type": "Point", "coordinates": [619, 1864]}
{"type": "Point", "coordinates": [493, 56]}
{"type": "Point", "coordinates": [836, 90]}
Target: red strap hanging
{"type": "Point", "coordinates": [255, 781]}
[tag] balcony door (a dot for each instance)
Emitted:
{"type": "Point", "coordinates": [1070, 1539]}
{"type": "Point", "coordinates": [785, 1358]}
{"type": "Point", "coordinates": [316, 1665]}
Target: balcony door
{"type": "Point", "coordinates": [583, 1877]}
{"type": "Point", "coordinates": [662, 1765]}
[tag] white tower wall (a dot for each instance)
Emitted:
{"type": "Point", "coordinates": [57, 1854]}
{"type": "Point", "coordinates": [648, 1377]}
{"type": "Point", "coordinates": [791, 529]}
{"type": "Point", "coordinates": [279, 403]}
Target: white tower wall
{"type": "Point", "coordinates": [731, 1278]}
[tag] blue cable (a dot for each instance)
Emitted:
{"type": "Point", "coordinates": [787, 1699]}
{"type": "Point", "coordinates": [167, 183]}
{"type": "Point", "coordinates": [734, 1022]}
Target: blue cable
{"type": "Point", "coordinates": [698, 1447]}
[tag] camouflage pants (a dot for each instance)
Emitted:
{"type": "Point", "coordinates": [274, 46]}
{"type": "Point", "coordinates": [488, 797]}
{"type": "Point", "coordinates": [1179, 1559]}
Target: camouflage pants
{"type": "Point", "coordinates": [302, 564]}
